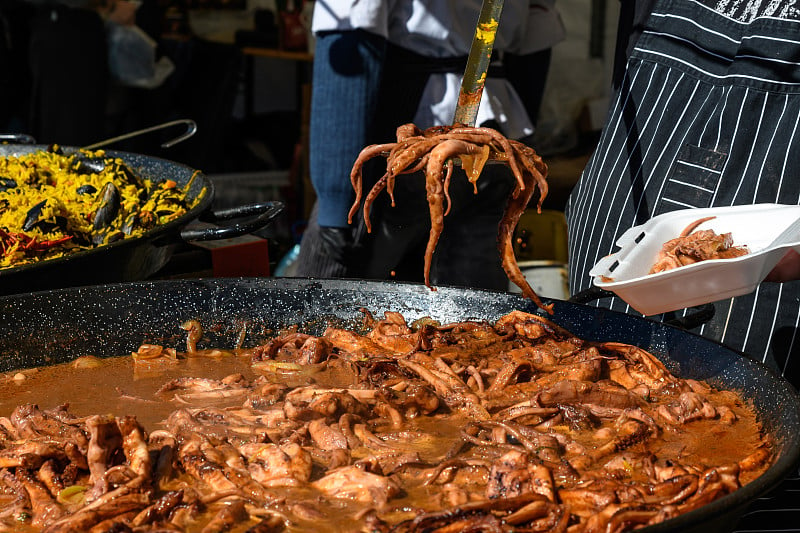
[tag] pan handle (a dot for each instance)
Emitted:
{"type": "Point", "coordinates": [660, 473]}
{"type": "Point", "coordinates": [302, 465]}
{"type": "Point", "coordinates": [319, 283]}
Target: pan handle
{"type": "Point", "coordinates": [589, 295]}
{"type": "Point", "coordinates": [18, 138]}
{"type": "Point", "coordinates": [190, 125]}
{"type": "Point", "coordinates": [264, 213]}
{"type": "Point", "coordinates": [697, 316]}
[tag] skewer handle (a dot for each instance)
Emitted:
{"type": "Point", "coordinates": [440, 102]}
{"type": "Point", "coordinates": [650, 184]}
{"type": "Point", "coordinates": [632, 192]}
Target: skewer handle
{"type": "Point", "coordinates": [469, 97]}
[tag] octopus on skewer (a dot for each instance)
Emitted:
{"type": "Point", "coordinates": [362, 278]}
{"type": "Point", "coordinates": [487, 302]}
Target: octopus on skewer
{"type": "Point", "coordinates": [435, 150]}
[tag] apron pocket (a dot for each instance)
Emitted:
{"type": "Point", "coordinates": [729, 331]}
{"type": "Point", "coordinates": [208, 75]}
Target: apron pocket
{"type": "Point", "coordinates": [692, 180]}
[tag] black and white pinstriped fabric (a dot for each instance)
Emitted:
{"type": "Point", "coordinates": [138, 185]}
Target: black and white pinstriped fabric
{"type": "Point", "coordinates": [707, 115]}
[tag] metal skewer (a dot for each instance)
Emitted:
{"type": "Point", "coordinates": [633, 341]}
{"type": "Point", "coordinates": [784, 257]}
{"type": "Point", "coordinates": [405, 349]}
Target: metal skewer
{"type": "Point", "coordinates": [480, 54]}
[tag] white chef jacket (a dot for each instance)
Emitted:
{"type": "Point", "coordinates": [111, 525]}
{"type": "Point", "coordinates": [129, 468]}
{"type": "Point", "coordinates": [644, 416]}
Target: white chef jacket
{"type": "Point", "coordinates": [445, 28]}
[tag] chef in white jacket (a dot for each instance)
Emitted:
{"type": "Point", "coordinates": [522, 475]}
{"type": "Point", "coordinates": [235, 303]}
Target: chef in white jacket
{"type": "Point", "coordinates": [380, 64]}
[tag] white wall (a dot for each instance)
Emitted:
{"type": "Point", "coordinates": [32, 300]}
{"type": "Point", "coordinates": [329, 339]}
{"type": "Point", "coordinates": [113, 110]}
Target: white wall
{"type": "Point", "coordinates": [575, 79]}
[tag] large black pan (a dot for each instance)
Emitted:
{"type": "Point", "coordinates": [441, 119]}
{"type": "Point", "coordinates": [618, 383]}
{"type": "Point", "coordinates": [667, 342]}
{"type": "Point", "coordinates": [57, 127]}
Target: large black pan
{"type": "Point", "coordinates": [137, 258]}
{"type": "Point", "coordinates": [55, 326]}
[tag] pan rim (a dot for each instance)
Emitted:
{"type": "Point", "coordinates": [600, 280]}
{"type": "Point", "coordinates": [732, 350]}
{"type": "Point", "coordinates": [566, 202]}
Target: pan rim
{"type": "Point", "coordinates": [789, 453]}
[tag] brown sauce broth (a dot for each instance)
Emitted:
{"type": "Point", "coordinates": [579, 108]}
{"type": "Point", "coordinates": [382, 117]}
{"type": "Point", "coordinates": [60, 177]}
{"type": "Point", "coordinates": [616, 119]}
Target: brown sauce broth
{"type": "Point", "coordinates": [117, 386]}
{"type": "Point", "coordinates": [122, 387]}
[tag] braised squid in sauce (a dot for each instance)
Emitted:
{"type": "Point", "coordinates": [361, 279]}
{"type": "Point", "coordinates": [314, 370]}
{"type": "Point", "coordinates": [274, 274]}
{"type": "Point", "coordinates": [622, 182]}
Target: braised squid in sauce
{"type": "Point", "coordinates": [515, 425]}
{"type": "Point", "coordinates": [693, 245]}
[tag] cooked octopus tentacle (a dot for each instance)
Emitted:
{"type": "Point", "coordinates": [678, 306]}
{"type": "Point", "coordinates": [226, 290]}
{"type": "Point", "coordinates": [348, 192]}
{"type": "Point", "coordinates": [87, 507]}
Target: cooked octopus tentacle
{"type": "Point", "coordinates": [691, 227]}
{"type": "Point", "coordinates": [505, 234]}
{"type": "Point", "coordinates": [406, 157]}
{"type": "Point", "coordinates": [365, 155]}
{"type": "Point", "coordinates": [421, 164]}
{"type": "Point", "coordinates": [447, 178]}
{"type": "Point", "coordinates": [368, 201]}
{"type": "Point", "coordinates": [535, 166]}
{"type": "Point", "coordinates": [43, 507]}
{"type": "Point", "coordinates": [434, 186]}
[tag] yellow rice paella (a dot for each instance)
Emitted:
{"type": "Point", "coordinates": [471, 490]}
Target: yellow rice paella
{"type": "Point", "coordinates": [53, 203]}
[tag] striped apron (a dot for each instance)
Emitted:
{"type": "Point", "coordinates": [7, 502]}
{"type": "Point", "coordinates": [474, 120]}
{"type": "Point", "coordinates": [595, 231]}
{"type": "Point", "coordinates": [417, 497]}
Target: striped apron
{"type": "Point", "coordinates": [706, 116]}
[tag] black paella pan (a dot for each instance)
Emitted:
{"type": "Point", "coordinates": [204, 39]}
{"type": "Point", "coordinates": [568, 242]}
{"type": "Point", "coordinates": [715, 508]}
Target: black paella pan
{"type": "Point", "coordinates": [137, 258]}
{"type": "Point", "coordinates": [56, 326]}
